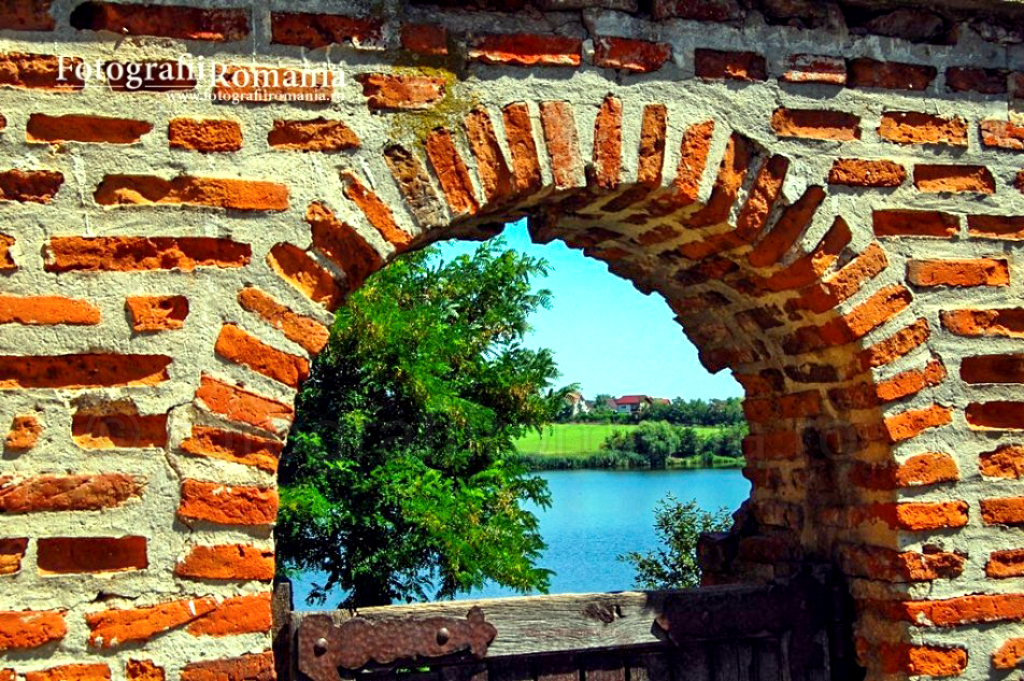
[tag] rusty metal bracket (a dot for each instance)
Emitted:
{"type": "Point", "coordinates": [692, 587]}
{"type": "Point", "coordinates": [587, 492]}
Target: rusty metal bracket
{"type": "Point", "coordinates": [324, 647]}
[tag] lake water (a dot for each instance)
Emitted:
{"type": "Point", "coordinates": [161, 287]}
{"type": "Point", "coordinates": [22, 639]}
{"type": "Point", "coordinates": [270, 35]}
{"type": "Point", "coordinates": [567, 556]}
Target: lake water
{"type": "Point", "coordinates": [597, 515]}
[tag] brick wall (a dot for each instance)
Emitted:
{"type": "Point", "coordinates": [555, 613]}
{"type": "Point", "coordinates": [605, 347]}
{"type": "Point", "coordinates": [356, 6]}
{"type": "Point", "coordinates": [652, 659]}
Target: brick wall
{"type": "Point", "coordinates": [828, 197]}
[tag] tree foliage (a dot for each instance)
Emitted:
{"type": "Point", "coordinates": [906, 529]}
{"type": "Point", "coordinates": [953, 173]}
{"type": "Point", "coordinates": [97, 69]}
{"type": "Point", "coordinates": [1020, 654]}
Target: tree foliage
{"type": "Point", "coordinates": [674, 564]}
{"type": "Point", "coordinates": [401, 480]}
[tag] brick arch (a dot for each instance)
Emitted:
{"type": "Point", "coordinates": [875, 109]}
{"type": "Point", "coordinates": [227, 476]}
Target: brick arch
{"type": "Point", "coordinates": [838, 231]}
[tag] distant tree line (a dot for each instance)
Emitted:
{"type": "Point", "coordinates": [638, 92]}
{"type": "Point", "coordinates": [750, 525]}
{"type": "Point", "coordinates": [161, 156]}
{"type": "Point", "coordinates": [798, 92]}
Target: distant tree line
{"type": "Point", "coordinates": [696, 412]}
{"type": "Point", "coordinates": [657, 444]}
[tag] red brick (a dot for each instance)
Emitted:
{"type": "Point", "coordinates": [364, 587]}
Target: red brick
{"type": "Point", "coordinates": [428, 39]}
{"type": "Point", "coordinates": [169, 21]}
{"type": "Point", "coordinates": [452, 172]}
{"type": "Point", "coordinates": [880, 563]}
{"type": "Point", "coordinates": [1002, 134]}
{"type": "Point", "coordinates": [397, 92]}
{"type": "Point", "coordinates": [717, 64]}
{"type": "Point", "coordinates": [814, 68]}
{"type": "Point", "coordinates": [816, 124]}
{"type": "Point", "coordinates": [47, 311]}
{"type": "Point", "coordinates": [1004, 462]}
{"type": "Point", "coordinates": [915, 223]}
{"type": "Point", "coordinates": [843, 284]}
{"type": "Point", "coordinates": [243, 406]}
{"type": "Point", "coordinates": [69, 555]}
{"type": "Point", "coordinates": [562, 143]}
{"type": "Point", "coordinates": [519, 135]}
{"type": "Point", "coordinates": [154, 76]}
{"type": "Point", "coordinates": [131, 253]}
{"type": "Point", "coordinates": [40, 72]}
{"type": "Point", "coordinates": [11, 553]}
{"type": "Point", "coordinates": [954, 179]}
{"type": "Point", "coordinates": [855, 172]}
{"type": "Point", "coordinates": [899, 344]}
{"type": "Point", "coordinates": [1008, 511]}
{"type": "Point", "coordinates": [252, 667]}
{"type": "Point", "coordinates": [343, 245]}
{"type": "Point", "coordinates": [115, 627]}
{"type": "Point", "coordinates": [26, 15]}
{"type": "Point", "coordinates": [608, 143]}
{"type": "Point", "coordinates": [82, 371]}
{"type": "Point", "coordinates": [30, 186]}
{"type": "Point", "coordinates": [117, 425]}
{"type": "Point", "coordinates": [259, 85]}
{"type": "Point", "coordinates": [22, 630]}
{"type": "Point", "coordinates": [1004, 564]}
{"type": "Point", "coordinates": [522, 49]}
{"type": "Point", "coordinates": [80, 128]}
{"type": "Point", "coordinates": [241, 195]}
{"type": "Point", "coordinates": [305, 331]}
{"type": "Point", "coordinates": [228, 562]}
{"type": "Point", "coordinates": [918, 516]}
{"type": "Point", "coordinates": [864, 72]}
{"type": "Point", "coordinates": [910, 424]}
{"type": "Point", "coordinates": [235, 616]}
{"type": "Point", "coordinates": [143, 670]}
{"type": "Point", "coordinates": [996, 415]}
{"type": "Point", "coordinates": [227, 505]}
{"type": "Point", "coordinates": [243, 348]}
{"type": "Point", "coordinates": [959, 273]}
{"type": "Point", "coordinates": [156, 313]}
{"type": "Point", "coordinates": [318, 134]}
{"type": "Point", "coordinates": [304, 274]}
{"type": "Point", "coordinates": [314, 31]}
{"type": "Point", "coordinates": [1009, 654]}
{"type": "Point", "coordinates": [917, 660]}
{"type": "Point", "coordinates": [240, 448]}
{"type": "Point", "coordinates": [54, 493]}
{"type": "Point", "coordinates": [204, 135]}
{"type": "Point", "coordinates": [71, 672]}
{"type": "Point", "coordinates": [495, 176]}
{"type": "Point", "coordinates": [911, 382]}
{"type": "Point", "coordinates": [962, 610]}
{"type": "Point", "coordinates": [699, 10]}
{"type": "Point", "coordinates": [983, 81]}
{"type": "Point", "coordinates": [1009, 227]}
{"type": "Point", "coordinates": [653, 130]}
{"type": "Point", "coordinates": [787, 230]}
{"type": "Point", "coordinates": [993, 369]}
{"type": "Point", "coordinates": [375, 210]}
{"type": "Point", "coordinates": [639, 56]}
{"type": "Point", "coordinates": [693, 157]}
{"type": "Point", "coordinates": [910, 127]}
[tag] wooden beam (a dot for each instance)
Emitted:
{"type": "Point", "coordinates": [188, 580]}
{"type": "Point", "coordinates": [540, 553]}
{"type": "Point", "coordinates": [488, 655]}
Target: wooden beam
{"type": "Point", "coordinates": [554, 624]}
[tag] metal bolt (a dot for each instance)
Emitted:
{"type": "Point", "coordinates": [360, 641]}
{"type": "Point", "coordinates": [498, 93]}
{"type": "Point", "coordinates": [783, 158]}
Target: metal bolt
{"type": "Point", "coordinates": [442, 636]}
{"type": "Point", "coordinates": [320, 647]}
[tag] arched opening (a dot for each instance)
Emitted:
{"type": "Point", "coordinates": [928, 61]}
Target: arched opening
{"type": "Point", "coordinates": [643, 422]}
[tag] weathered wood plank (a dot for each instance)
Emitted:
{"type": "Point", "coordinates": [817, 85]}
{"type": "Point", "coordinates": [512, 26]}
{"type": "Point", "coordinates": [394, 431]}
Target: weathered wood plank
{"type": "Point", "coordinates": [769, 666]}
{"type": "Point", "coordinates": [561, 623]}
{"type": "Point", "coordinates": [648, 666]}
{"type": "Point", "coordinates": [691, 663]}
{"type": "Point", "coordinates": [474, 671]}
{"type": "Point", "coordinates": [557, 668]}
{"type": "Point", "coordinates": [603, 667]}
{"type": "Point", "coordinates": [510, 669]}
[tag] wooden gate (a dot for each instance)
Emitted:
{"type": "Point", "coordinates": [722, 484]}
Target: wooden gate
{"type": "Point", "coordinates": [796, 631]}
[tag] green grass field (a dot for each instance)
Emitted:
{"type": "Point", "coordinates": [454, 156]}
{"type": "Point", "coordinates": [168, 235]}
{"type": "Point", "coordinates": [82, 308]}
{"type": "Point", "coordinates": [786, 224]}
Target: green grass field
{"type": "Point", "coordinates": [575, 439]}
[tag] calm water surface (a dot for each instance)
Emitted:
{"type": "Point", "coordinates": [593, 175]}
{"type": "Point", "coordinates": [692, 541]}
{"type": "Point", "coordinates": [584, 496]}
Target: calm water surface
{"type": "Point", "coordinates": [597, 515]}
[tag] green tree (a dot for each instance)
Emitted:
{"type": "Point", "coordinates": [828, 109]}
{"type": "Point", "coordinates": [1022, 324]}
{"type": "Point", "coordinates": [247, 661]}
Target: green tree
{"type": "Point", "coordinates": [674, 564]}
{"type": "Point", "coordinates": [401, 480]}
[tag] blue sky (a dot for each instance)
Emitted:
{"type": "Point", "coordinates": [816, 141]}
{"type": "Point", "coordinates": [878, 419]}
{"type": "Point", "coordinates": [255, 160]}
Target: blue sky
{"type": "Point", "coordinates": [606, 335]}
